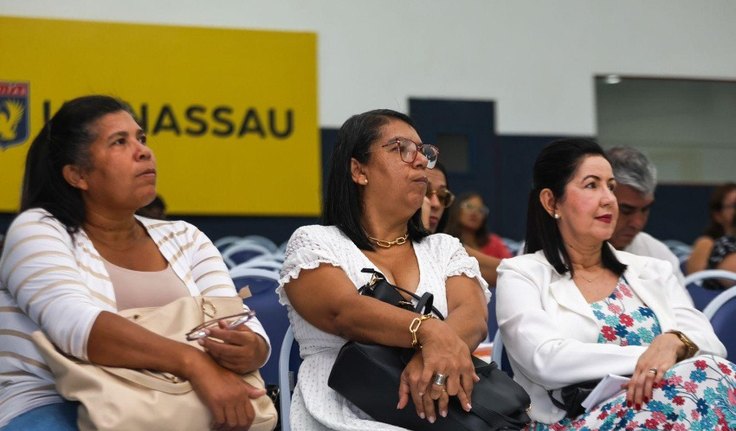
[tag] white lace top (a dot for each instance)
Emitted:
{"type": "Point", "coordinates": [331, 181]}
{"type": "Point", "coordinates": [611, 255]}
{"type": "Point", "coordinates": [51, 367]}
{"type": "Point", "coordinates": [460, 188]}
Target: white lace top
{"type": "Point", "coordinates": [315, 406]}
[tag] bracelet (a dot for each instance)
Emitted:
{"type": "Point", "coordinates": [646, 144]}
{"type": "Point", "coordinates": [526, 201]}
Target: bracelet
{"type": "Point", "coordinates": [691, 347]}
{"type": "Point", "coordinates": [414, 328]}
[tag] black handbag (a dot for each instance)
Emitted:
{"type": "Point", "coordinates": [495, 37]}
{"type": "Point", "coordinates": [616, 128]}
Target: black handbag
{"type": "Point", "coordinates": [573, 397]}
{"type": "Point", "coordinates": [368, 375]}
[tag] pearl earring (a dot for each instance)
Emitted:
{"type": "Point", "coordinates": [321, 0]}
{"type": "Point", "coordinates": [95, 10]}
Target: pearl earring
{"type": "Point", "coordinates": [365, 181]}
{"type": "Point", "coordinates": [556, 216]}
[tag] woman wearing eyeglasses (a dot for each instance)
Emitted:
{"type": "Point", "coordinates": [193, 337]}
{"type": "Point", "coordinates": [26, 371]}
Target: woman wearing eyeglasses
{"type": "Point", "coordinates": [372, 219]}
{"type": "Point", "coordinates": [467, 221]}
{"type": "Point", "coordinates": [77, 254]}
{"type": "Point", "coordinates": [722, 212]}
{"type": "Point", "coordinates": [434, 218]}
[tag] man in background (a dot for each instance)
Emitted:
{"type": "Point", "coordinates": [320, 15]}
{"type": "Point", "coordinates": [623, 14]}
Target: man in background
{"type": "Point", "coordinates": [636, 179]}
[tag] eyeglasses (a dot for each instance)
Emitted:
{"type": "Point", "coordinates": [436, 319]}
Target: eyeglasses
{"type": "Point", "coordinates": [240, 318]}
{"type": "Point", "coordinates": [445, 196]}
{"type": "Point", "coordinates": [409, 149]}
{"type": "Point", "coordinates": [479, 209]}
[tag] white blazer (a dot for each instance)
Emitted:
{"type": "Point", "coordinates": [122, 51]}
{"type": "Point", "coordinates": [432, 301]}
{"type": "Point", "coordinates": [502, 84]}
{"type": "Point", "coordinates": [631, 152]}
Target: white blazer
{"type": "Point", "coordinates": [550, 333]}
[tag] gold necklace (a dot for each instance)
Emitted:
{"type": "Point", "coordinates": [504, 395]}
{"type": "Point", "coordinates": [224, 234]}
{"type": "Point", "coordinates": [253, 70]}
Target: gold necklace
{"type": "Point", "coordinates": [590, 280]}
{"type": "Point", "coordinates": [388, 244]}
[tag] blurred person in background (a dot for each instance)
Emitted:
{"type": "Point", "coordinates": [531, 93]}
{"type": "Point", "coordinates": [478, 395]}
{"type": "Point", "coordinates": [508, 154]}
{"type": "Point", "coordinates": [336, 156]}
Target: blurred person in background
{"type": "Point", "coordinates": [435, 214]}
{"type": "Point", "coordinates": [467, 221]}
{"type": "Point", "coordinates": [636, 181]}
{"type": "Point", "coordinates": [721, 209]}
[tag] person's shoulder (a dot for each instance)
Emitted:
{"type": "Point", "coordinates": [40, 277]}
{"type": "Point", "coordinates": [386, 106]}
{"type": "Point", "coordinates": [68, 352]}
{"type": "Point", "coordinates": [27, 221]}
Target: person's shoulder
{"type": "Point", "coordinates": [440, 240]}
{"type": "Point", "coordinates": [643, 263]}
{"type": "Point", "coordinates": [703, 241]}
{"type": "Point", "coordinates": [530, 262]}
{"type": "Point", "coordinates": [166, 225]}
{"type": "Point", "coordinates": [317, 233]}
{"type": "Point", "coordinates": [317, 230]}
{"type": "Point", "coordinates": [644, 244]}
{"type": "Point", "coordinates": [37, 217]}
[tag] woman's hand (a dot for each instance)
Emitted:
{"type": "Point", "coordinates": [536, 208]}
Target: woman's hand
{"type": "Point", "coordinates": [659, 357]}
{"type": "Point", "coordinates": [225, 394]}
{"type": "Point", "coordinates": [445, 353]}
{"type": "Point", "coordinates": [239, 349]}
{"type": "Point", "coordinates": [424, 398]}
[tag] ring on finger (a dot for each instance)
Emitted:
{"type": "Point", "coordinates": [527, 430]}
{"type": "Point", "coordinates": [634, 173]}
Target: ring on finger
{"type": "Point", "coordinates": [439, 379]}
{"type": "Point", "coordinates": [653, 371]}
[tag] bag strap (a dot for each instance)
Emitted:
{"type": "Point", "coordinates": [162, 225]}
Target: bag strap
{"type": "Point", "coordinates": [424, 302]}
{"type": "Point", "coordinates": [555, 401]}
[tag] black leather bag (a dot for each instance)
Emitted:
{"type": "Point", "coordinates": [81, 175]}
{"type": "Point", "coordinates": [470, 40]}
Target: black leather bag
{"type": "Point", "coordinates": [368, 376]}
{"type": "Point", "coordinates": [573, 397]}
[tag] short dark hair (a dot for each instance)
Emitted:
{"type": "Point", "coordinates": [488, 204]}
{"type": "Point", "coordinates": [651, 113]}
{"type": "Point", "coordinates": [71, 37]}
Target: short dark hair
{"type": "Point", "coordinates": [715, 204]}
{"type": "Point", "coordinates": [64, 140]}
{"type": "Point", "coordinates": [343, 205]}
{"type": "Point", "coordinates": [453, 220]}
{"type": "Point", "coordinates": [553, 169]}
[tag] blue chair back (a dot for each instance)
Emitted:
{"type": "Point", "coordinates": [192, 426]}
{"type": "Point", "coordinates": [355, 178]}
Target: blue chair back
{"type": "Point", "coordinates": [243, 251]}
{"type": "Point", "coordinates": [702, 296]}
{"type": "Point", "coordinates": [271, 314]}
{"type": "Point", "coordinates": [499, 355]}
{"type": "Point", "coordinates": [722, 315]}
{"type": "Point", "coordinates": [492, 322]}
{"type": "Point", "coordinates": [257, 279]}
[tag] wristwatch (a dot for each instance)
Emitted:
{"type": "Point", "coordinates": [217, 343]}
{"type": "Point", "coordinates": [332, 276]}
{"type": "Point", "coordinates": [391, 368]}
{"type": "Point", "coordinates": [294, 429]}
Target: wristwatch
{"type": "Point", "coordinates": [691, 347]}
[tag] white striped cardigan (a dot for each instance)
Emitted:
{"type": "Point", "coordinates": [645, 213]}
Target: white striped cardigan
{"type": "Point", "coordinates": [57, 283]}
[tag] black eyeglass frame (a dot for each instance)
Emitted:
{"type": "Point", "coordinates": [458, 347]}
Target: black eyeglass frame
{"type": "Point", "coordinates": [431, 161]}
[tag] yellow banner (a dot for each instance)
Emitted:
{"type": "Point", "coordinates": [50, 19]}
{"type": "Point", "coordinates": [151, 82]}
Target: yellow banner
{"type": "Point", "coordinates": [231, 115]}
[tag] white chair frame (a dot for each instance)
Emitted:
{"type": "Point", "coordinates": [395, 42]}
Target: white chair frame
{"type": "Point", "coordinates": [286, 383]}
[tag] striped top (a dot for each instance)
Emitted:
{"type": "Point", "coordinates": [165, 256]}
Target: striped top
{"type": "Point", "coordinates": [59, 284]}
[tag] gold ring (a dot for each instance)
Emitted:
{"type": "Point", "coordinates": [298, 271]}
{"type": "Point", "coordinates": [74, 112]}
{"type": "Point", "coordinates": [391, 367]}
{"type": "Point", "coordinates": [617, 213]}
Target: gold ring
{"type": "Point", "coordinates": [653, 371]}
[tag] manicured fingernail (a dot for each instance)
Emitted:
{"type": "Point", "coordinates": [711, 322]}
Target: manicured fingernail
{"type": "Point", "coordinates": [646, 400]}
{"type": "Point", "coordinates": [637, 406]}
{"type": "Point", "coordinates": [628, 403]}
{"type": "Point", "coordinates": [443, 413]}
{"type": "Point", "coordinates": [421, 415]}
{"type": "Point", "coordinates": [207, 331]}
{"type": "Point", "coordinates": [468, 407]}
{"type": "Point", "coordinates": [431, 419]}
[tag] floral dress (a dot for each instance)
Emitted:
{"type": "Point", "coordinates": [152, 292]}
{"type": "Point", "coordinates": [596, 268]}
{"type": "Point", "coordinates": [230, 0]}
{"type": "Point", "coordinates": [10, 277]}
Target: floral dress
{"type": "Point", "coordinates": [696, 394]}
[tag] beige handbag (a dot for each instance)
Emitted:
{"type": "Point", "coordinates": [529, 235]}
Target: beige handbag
{"type": "Point", "coordinates": [115, 398]}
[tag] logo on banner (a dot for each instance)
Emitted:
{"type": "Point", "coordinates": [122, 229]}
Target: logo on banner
{"type": "Point", "coordinates": [14, 105]}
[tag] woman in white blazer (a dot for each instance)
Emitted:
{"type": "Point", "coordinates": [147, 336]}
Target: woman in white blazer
{"type": "Point", "coordinates": [574, 309]}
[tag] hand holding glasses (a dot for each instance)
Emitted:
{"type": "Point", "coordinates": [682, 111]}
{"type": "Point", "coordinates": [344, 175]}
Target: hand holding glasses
{"type": "Point", "coordinates": [199, 331]}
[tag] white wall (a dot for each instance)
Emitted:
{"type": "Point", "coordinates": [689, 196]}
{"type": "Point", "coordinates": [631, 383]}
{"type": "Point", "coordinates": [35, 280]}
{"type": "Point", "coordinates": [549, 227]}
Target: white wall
{"type": "Point", "coordinates": [536, 59]}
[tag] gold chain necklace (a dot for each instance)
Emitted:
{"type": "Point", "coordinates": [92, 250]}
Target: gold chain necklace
{"type": "Point", "coordinates": [590, 280]}
{"type": "Point", "coordinates": [388, 244]}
